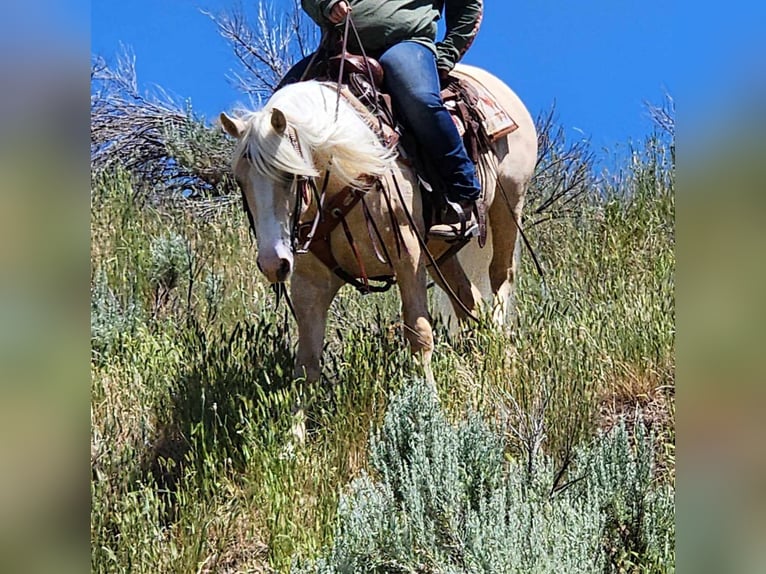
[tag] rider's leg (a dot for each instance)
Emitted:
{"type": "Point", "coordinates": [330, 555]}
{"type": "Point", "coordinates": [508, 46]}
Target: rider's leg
{"type": "Point", "coordinates": [412, 79]}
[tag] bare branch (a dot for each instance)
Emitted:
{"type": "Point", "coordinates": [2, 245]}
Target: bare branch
{"type": "Point", "coordinates": [526, 426]}
{"type": "Point", "coordinates": [266, 49]}
{"type": "Point", "coordinates": [169, 151]}
{"type": "Point", "coordinates": [157, 140]}
{"type": "Point", "coordinates": [564, 171]}
{"type": "Point", "coordinates": [664, 116]}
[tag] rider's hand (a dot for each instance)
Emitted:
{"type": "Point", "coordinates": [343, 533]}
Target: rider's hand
{"type": "Point", "coordinates": [339, 12]}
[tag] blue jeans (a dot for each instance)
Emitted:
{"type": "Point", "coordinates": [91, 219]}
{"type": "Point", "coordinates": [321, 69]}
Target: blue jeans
{"type": "Point", "coordinates": [412, 79]}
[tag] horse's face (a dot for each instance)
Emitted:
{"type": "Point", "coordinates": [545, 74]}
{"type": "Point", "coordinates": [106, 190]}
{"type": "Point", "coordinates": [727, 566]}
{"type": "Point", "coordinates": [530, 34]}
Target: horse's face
{"type": "Point", "coordinates": [272, 206]}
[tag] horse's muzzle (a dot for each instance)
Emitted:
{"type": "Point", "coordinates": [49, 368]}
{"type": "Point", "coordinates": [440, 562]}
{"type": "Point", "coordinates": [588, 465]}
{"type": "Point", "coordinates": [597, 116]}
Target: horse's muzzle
{"type": "Point", "coordinates": [277, 269]}
{"type": "Point", "coordinates": [283, 272]}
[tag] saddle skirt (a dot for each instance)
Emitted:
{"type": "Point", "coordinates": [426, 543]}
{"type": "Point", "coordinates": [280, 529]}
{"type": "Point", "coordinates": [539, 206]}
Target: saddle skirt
{"type": "Point", "coordinates": [494, 121]}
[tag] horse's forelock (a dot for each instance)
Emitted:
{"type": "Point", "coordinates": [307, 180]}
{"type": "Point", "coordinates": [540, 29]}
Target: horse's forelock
{"type": "Point", "coordinates": [270, 153]}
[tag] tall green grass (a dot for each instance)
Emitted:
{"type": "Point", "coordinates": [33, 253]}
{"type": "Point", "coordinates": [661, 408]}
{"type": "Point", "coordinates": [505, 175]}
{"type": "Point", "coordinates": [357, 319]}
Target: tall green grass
{"type": "Point", "coordinates": [194, 467]}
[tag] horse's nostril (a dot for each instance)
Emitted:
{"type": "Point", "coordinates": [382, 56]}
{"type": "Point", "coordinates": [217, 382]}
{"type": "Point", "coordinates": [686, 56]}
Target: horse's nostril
{"type": "Point", "coordinates": [284, 269]}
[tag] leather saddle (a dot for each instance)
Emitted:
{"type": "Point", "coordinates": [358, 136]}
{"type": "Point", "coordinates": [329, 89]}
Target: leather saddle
{"type": "Point", "coordinates": [367, 67]}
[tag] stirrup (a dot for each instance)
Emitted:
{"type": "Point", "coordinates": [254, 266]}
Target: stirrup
{"type": "Point", "coordinates": [463, 229]}
{"type": "Point", "coordinates": [453, 235]}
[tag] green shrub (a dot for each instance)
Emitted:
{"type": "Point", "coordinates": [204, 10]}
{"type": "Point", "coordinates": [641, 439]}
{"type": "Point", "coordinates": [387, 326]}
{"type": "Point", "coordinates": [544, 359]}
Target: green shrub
{"type": "Point", "coordinates": [170, 260]}
{"type": "Point", "coordinates": [110, 319]}
{"type": "Point", "coordinates": [443, 498]}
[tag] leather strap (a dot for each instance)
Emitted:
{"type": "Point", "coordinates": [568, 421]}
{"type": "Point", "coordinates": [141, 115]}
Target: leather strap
{"type": "Point", "coordinates": [333, 214]}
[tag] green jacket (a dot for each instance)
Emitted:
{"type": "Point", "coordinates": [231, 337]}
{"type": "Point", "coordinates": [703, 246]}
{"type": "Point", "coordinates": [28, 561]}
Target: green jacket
{"type": "Point", "coordinates": [383, 23]}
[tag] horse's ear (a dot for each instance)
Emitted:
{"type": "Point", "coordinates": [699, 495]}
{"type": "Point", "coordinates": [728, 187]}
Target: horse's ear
{"type": "Point", "coordinates": [278, 120]}
{"type": "Point", "coordinates": [233, 126]}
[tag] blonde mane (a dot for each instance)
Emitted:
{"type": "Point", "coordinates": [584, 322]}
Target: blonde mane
{"type": "Point", "coordinates": [346, 145]}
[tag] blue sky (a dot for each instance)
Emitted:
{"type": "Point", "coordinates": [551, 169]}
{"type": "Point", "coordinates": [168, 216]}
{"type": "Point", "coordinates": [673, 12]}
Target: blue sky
{"type": "Point", "coordinates": [599, 60]}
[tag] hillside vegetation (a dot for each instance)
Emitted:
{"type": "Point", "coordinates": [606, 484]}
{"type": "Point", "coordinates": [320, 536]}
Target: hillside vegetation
{"type": "Point", "coordinates": [548, 449]}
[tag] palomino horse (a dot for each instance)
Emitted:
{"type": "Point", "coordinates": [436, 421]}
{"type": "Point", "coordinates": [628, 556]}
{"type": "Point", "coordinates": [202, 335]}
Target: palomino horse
{"type": "Point", "coordinates": [305, 131]}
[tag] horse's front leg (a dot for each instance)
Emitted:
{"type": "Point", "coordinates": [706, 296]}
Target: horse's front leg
{"type": "Point", "coordinates": [411, 279]}
{"type": "Point", "coordinates": [312, 291]}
